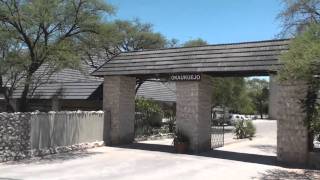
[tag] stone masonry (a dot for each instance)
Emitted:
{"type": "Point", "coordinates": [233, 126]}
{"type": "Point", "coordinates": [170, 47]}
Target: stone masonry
{"type": "Point", "coordinates": [14, 136]}
{"type": "Point", "coordinates": [273, 92]}
{"type": "Point", "coordinates": [18, 134]}
{"type": "Point", "coordinates": [292, 141]}
{"type": "Point", "coordinates": [194, 112]}
{"type": "Point", "coordinates": [119, 108]}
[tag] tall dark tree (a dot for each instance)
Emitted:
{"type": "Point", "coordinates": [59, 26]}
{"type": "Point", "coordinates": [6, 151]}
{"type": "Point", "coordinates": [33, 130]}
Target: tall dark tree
{"type": "Point", "coordinates": [232, 93]}
{"type": "Point", "coordinates": [259, 92]}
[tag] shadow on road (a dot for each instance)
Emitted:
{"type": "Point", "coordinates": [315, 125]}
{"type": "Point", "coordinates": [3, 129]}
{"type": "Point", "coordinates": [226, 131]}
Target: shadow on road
{"type": "Point", "coordinates": [235, 156]}
{"type": "Point", "coordinates": [284, 174]}
{"type": "Point", "coordinates": [149, 147]}
{"type": "Point", "coordinates": [243, 157]}
{"type": "Point", "coordinates": [219, 154]}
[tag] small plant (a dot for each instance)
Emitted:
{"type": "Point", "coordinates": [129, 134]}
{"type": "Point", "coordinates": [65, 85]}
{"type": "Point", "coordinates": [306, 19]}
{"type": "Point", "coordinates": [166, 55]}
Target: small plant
{"type": "Point", "coordinates": [244, 129]}
{"type": "Point", "coordinates": [251, 129]}
{"type": "Point", "coordinates": [181, 142]}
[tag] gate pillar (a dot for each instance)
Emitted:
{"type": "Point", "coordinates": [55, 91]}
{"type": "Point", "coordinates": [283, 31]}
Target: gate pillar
{"type": "Point", "coordinates": [292, 134]}
{"type": "Point", "coordinates": [273, 98]}
{"type": "Point", "coordinates": [119, 108]}
{"type": "Point", "coordinates": [194, 112]}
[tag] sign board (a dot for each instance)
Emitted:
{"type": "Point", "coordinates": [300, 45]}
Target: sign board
{"type": "Point", "coordinates": [185, 77]}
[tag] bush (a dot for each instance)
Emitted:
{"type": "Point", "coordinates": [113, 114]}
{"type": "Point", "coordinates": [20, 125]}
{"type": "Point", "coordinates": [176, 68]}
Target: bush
{"type": "Point", "coordinates": [244, 129]}
{"type": "Point", "coordinates": [148, 117]}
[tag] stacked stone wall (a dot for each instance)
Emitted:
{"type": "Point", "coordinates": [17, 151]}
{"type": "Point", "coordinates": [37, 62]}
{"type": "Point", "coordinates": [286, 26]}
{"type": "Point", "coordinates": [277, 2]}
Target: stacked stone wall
{"type": "Point", "coordinates": [119, 107]}
{"type": "Point", "coordinates": [292, 133]}
{"type": "Point", "coordinates": [14, 136]}
{"type": "Point", "coordinates": [24, 135]}
{"type": "Point", "coordinates": [194, 112]}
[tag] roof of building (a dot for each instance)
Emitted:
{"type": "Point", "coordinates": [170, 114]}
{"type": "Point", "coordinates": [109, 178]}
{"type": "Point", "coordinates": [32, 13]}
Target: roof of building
{"type": "Point", "coordinates": [62, 90]}
{"type": "Point", "coordinates": [65, 84]}
{"type": "Point", "coordinates": [159, 91]}
{"type": "Point", "coordinates": [79, 84]}
{"type": "Point", "coordinates": [259, 57]}
{"type": "Point", "coordinates": [76, 84]}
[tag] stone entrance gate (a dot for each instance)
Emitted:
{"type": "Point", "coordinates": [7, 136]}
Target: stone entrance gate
{"type": "Point", "coordinates": [194, 95]}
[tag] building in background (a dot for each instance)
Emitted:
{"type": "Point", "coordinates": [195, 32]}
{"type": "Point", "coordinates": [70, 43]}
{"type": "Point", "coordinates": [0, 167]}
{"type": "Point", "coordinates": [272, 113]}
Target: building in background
{"type": "Point", "coordinates": [72, 90]}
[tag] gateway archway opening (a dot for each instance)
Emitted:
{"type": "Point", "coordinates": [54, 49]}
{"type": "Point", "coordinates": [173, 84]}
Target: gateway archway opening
{"type": "Point", "coordinates": [231, 102]}
{"type": "Point", "coordinates": [193, 105]}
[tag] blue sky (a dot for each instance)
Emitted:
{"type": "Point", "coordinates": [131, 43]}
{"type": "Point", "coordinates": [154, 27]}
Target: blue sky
{"type": "Point", "coordinates": [216, 21]}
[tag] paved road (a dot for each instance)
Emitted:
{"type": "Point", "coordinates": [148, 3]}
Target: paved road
{"type": "Point", "coordinates": [156, 161]}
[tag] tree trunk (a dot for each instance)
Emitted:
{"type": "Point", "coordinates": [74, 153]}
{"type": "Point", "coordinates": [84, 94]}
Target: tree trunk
{"type": "Point", "coordinates": [261, 110]}
{"type": "Point", "coordinates": [23, 100]}
{"type": "Point", "coordinates": [9, 107]}
{"type": "Point", "coordinates": [23, 104]}
{"type": "Point", "coordinates": [7, 95]}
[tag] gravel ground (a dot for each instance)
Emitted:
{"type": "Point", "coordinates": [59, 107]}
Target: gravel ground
{"type": "Point", "coordinates": [154, 160]}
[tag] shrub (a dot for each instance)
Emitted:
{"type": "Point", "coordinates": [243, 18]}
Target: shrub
{"type": "Point", "coordinates": [148, 116]}
{"type": "Point", "coordinates": [244, 129]}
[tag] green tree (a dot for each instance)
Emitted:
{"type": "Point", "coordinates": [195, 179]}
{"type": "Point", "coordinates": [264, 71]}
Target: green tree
{"type": "Point", "coordinates": [122, 36]}
{"type": "Point", "coordinates": [302, 60]}
{"type": "Point", "coordinates": [11, 67]}
{"type": "Point", "coordinates": [135, 36]}
{"type": "Point", "coordinates": [231, 93]}
{"type": "Point", "coordinates": [258, 90]}
{"type": "Point", "coordinates": [148, 116]}
{"type": "Point", "coordinates": [302, 63]}
{"type": "Point", "coordinates": [49, 32]}
{"type": "Point", "coordinates": [301, 19]}
{"type": "Point", "coordinates": [195, 42]}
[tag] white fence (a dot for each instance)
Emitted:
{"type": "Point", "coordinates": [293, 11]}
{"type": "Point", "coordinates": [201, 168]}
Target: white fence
{"type": "Point", "coordinates": [65, 128]}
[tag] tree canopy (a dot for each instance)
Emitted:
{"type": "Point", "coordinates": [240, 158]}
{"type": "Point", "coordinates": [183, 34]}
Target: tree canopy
{"type": "Point", "coordinates": [302, 61]}
{"type": "Point", "coordinates": [47, 32]}
{"type": "Point", "coordinates": [258, 91]}
{"type": "Point", "coordinates": [121, 36]}
{"type": "Point", "coordinates": [195, 42]}
{"type": "Point", "coordinates": [298, 14]}
{"type": "Point", "coordinates": [63, 34]}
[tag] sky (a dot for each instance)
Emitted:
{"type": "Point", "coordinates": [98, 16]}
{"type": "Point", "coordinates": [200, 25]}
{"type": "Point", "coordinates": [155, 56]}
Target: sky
{"type": "Point", "coordinates": [216, 21]}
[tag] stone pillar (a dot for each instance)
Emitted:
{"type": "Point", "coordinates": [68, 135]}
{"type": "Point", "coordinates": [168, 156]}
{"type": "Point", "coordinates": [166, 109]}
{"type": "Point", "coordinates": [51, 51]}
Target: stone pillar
{"type": "Point", "coordinates": [119, 108]}
{"type": "Point", "coordinates": [194, 112]}
{"type": "Point", "coordinates": [292, 135]}
{"type": "Point", "coordinates": [273, 91]}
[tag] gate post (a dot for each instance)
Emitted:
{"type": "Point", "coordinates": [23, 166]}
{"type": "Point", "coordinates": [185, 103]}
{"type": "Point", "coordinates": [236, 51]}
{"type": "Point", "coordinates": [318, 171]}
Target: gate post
{"type": "Point", "coordinates": [273, 98]}
{"type": "Point", "coordinates": [194, 112]}
{"type": "Point", "coordinates": [119, 108]}
{"type": "Point", "coordinates": [292, 136]}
